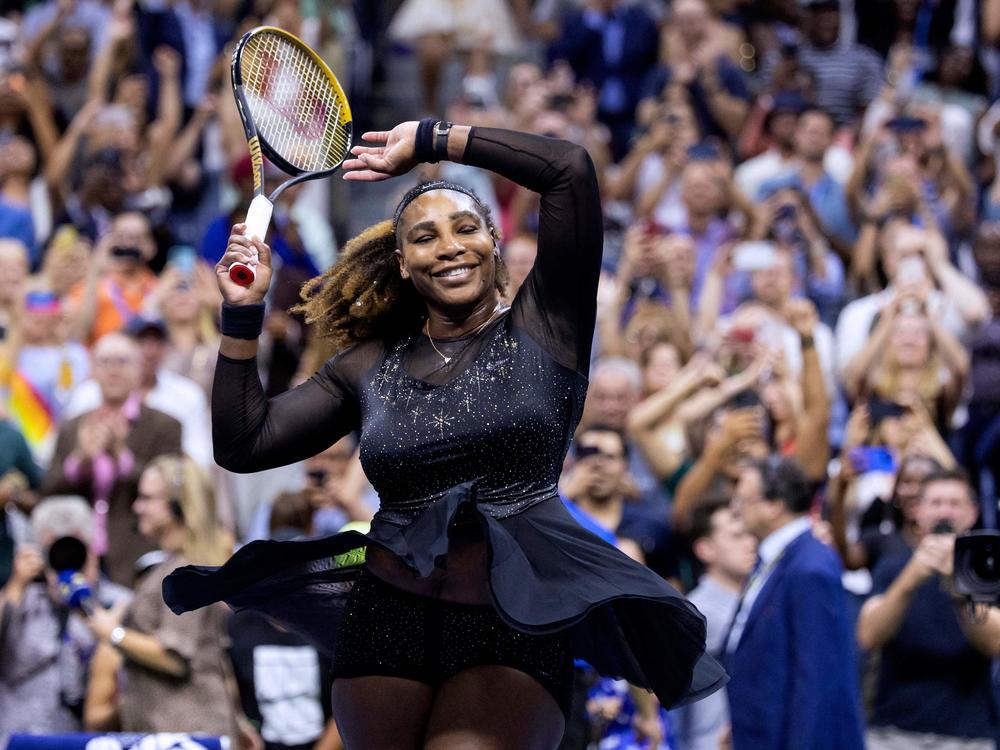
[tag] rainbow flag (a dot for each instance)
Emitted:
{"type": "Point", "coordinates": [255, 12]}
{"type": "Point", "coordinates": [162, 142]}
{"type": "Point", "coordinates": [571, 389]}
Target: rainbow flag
{"type": "Point", "coordinates": [29, 411]}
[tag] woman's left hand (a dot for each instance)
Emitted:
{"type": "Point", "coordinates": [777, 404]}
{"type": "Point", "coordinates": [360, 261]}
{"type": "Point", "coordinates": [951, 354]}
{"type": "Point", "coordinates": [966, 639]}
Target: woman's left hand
{"type": "Point", "coordinates": [395, 155]}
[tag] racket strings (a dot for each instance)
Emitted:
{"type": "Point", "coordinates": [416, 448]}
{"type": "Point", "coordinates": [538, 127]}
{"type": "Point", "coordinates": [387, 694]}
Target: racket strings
{"type": "Point", "coordinates": [294, 105]}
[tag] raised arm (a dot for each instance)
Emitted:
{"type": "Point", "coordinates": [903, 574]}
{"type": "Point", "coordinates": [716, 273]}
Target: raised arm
{"type": "Point", "coordinates": [813, 449]}
{"type": "Point", "coordinates": [558, 300]}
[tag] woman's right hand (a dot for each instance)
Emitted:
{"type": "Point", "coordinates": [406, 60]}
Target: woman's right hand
{"type": "Point", "coordinates": [247, 250]}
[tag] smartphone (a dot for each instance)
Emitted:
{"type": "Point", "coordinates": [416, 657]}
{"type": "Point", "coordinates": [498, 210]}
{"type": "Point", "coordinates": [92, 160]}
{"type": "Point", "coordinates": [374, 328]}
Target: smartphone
{"type": "Point", "coordinates": [786, 211]}
{"type": "Point", "coordinates": [651, 229]}
{"type": "Point", "coordinates": [183, 258]}
{"type": "Point", "coordinates": [745, 400]}
{"type": "Point", "coordinates": [742, 335]}
{"type": "Point", "coordinates": [753, 256]}
{"type": "Point", "coordinates": [41, 301]}
{"type": "Point", "coordinates": [868, 458]}
{"type": "Point", "coordinates": [703, 152]}
{"type": "Point", "coordinates": [906, 124]}
{"type": "Point", "coordinates": [879, 409]}
{"type": "Point", "coordinates": [911, 271]}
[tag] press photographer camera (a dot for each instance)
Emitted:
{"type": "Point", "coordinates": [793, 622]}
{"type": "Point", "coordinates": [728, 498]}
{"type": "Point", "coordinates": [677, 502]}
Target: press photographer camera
{"type": "Point", "coordinates": [45, 644]}
{"type": "Point", "coordinates": [977, 567]}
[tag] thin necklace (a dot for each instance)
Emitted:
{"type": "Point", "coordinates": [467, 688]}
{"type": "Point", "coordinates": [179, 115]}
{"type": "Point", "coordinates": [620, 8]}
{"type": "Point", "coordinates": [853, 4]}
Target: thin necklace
{"type": "Point", "coordinates": [447, 360]}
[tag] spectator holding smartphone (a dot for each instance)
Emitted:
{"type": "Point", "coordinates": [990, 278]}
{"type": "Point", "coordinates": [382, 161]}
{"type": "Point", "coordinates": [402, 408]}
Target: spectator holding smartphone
{"type": "Point", "coordinates": [947, 296]}
{"type": "Point", "coordinates": [910, 355]}
{"type": "Point", "coordinates": [119, 282]}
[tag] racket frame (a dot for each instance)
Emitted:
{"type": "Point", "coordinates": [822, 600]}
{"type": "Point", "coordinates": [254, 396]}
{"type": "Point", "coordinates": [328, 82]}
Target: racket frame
{"type": "Point", "coordinates": [260, 209]}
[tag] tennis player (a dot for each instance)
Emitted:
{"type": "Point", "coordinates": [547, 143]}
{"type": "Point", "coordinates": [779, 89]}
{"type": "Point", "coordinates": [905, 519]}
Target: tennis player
{"type": "Point", "coordinates": [478, 588]}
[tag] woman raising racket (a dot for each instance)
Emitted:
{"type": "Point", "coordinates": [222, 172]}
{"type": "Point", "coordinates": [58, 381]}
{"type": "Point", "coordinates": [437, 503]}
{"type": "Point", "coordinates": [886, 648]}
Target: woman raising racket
{"type": "Point", "coordinates": [460, 629]}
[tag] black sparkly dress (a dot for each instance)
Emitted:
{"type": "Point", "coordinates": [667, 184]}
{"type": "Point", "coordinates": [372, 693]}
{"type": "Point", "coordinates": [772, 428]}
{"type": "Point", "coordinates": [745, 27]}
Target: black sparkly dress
{"type": "Point", "coordinates": [484, 436]}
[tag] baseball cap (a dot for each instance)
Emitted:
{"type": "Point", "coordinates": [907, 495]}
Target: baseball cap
{"type": "Point", "coordinates": [142, 325]}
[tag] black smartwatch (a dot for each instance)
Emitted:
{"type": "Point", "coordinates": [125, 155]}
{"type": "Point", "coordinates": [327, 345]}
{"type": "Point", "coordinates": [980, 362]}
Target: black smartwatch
{"type": "Point", "coordinates": [440, 147]}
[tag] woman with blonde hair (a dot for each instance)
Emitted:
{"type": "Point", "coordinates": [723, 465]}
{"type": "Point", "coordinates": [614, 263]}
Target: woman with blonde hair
{"type": "Point", "coordinates": [188, 302]}
{"type": "Point", "coordinates": [910, 355]}
{"type": "Point", "coordinates": [175, 669]}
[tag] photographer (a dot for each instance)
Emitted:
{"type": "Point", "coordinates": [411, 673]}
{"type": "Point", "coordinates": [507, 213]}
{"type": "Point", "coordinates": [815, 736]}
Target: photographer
{"type": "Point", "coordinates": [934, 687]}
{"type": "Point", "coordinates": [45, 647]}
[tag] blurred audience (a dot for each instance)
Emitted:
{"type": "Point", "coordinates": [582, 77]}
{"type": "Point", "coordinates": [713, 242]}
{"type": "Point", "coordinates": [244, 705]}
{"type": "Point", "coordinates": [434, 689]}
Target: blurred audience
{"type": "Point", "coordinates": [800, 204]}
{"type": "Point", "coordinates": [101, 453]}
{"type": "Point", "coordinates": [174, 662]}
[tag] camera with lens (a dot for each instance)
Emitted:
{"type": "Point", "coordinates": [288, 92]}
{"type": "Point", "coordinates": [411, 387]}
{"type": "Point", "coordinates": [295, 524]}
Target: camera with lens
{"type": "Point", "coordinates": [977, 567]}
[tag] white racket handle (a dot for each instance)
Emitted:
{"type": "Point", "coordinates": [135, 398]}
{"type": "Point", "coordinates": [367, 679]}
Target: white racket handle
{"type": "Point", "coordinates": [258, 217]}
{"type": "Point", "coordinates": [257, 220]}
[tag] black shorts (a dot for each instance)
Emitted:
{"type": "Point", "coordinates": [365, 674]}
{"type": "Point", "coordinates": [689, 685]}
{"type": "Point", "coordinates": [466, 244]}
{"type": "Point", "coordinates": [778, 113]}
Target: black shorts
{"type": "Point", "coordinates": [393, 633]}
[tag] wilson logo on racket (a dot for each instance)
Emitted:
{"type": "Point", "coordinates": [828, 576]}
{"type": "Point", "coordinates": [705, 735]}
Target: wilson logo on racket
{"type": "Point", "coordinates": [294, 112]}
{"type": "Point", "coordinates": [305, 112]}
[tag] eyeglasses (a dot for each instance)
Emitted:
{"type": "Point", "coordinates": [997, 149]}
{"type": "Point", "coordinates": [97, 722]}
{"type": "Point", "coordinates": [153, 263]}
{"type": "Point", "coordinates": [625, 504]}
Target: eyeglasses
{"type": "Point", "coordinates": [111, 361]}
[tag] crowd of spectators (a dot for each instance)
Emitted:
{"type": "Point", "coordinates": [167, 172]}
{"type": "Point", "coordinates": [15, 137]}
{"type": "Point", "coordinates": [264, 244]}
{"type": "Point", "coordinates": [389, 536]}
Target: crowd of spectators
{"type": "Point", "coordinates": [794, 401]}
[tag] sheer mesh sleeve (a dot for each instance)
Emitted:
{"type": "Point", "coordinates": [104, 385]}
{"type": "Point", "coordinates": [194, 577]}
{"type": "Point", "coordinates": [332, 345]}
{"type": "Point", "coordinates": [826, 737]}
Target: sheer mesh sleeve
{"type": "Point", "coordinates": [253, 433]}
{"type": "Point", "coordinates": [557, 303]}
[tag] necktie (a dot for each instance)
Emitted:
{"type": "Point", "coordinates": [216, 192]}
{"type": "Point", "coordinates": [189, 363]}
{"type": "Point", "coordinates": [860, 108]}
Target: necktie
{"type": "Point", "coordinates": [742, 609]}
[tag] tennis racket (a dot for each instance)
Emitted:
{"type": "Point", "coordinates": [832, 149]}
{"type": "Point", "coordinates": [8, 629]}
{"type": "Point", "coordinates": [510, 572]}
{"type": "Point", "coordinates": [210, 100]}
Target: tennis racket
{"type": "Point", "coordinates": [294, 112]}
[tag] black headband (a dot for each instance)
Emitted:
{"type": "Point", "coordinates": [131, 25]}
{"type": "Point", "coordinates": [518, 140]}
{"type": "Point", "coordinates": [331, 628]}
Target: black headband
{"type": "Point", "coordinates": [426, 187]}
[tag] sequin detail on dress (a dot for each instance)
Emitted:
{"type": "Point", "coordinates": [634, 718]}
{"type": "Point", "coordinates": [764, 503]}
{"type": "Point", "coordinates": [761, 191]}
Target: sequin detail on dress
{"type": "Point", "coordinates": [503, 424]}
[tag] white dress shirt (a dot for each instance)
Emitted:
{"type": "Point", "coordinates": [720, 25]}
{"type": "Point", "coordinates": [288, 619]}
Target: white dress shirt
{"type": "Point", "coordinates": [769, 553]}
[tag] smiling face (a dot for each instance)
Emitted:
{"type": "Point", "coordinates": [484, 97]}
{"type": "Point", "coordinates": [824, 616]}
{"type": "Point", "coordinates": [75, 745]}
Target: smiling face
{"type": "Point", "coordinates": [447, 251]}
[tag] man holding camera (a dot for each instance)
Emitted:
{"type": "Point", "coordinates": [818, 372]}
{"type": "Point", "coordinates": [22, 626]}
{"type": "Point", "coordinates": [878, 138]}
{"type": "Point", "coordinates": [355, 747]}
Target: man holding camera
{"type": "Point", "coordinates": [934, 686]}
{"type": "Point", "coordinates": [45, 645]}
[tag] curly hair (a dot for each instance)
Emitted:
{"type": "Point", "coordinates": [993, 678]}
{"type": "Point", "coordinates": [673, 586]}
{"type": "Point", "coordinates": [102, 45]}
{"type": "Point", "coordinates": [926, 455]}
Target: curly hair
{"type": "Point", "coordinates": [363, 296]}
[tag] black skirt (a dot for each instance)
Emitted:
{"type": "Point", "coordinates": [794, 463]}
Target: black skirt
{"type": "Point", "coordinates": [546, 574]}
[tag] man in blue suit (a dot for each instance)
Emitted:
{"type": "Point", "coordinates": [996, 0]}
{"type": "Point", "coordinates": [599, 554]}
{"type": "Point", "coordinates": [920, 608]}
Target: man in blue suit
{"type": "Point", "coordinates": [790, 650]}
